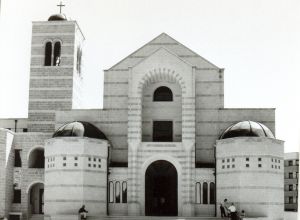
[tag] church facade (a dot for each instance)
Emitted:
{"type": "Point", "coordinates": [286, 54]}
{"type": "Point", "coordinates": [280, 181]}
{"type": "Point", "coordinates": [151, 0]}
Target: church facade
{"type": "Point", "coordinates": [163, 144]}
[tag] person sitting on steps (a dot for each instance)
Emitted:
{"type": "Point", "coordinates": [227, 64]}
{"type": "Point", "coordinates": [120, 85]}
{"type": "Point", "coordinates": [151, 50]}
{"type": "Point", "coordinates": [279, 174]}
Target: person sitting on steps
{"type": "Point", "coordinates": [242, 215]}
{"type": "Point", "coordinates": [82, 212]}
{"type": "Point", "coordinates": [233, 212]}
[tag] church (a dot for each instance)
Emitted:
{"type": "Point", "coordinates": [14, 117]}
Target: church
{"type": "Point", "coordinates": [163, 144]}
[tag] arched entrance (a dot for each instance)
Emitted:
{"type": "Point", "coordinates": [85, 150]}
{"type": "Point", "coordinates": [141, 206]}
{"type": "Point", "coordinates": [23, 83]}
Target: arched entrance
{"type": "Point", "coordinates": [36, 199]}
{"type": "Point", "coordinates": [161, 189]}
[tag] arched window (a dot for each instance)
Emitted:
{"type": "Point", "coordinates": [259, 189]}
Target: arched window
{"type": "Point", "coordinates": [212, 193]}
{"type": "Point", "coordinates": [198, 193]}
{"type": "Point", "coordinates": [111, 192]}
{"type": "Point", "coordinates": [48, 54]}
{"type": "Point", "coordinates": [124, 192]}
{"type": "Point", "coordinates": [118, 193]}
{"type": "Point", "coordinates": [205, 193]}
{"type": "Point", "coordinates": [36, 159]}
{"type": "Point", "coordinates": [56, 57]}
{"type": "Point", "coordinates": [163, 94]}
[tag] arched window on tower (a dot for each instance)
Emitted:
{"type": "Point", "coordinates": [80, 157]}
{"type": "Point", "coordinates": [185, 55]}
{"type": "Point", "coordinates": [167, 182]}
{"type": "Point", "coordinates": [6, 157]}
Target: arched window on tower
{"type": "Point", "coordinates": [163, 94]}
{"type": "Point", "coordinates": [124, 192]}
{"type": "Point", "coordinates": [48, 54]}
{"type": "Point", "coordinates": [198, 193]}
{"type": "Point", "coordinates": [212, 193]}
{"type": "Point", "coordinates": [56, 57]}
{"type": "Point", "coordinates": [117, 191]}
{"type": "Point", "coordinates": [205, 193]}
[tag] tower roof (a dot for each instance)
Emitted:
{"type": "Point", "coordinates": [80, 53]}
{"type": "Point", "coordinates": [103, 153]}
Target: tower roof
{"type": "Point", "coordinates": [57, 17]}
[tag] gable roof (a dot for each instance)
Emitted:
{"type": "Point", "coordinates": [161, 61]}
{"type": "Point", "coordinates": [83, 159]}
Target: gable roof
{"type": "Point", "coordinates": [163, 40]}
{"type": "Point", "coordinates": [162, 50]}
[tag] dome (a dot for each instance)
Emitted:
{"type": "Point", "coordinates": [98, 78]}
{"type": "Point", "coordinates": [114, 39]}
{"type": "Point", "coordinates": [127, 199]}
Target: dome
{"type": "Point", "coordinates": [247, 129]}
{"type": "Point", "coordinates": [79, 129]}
{"type": "Point", "coordinates": [57, 17]}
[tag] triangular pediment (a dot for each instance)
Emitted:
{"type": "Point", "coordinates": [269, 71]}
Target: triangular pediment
{"type": "Point", "coordinates": [171, 45]}
{"type": "Point", "coordinates": [162, 54]}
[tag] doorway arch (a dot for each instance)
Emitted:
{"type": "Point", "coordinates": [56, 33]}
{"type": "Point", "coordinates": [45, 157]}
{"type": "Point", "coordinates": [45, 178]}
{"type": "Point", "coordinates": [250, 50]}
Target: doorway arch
{"type": "Point", "coordinates": [36, 198]}
{"type": "Point", "coordinates": [161, 194]}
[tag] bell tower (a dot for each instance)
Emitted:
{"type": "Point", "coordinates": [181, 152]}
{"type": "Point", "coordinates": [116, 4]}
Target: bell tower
{"type": "Point", "coordinates": [55, 71]}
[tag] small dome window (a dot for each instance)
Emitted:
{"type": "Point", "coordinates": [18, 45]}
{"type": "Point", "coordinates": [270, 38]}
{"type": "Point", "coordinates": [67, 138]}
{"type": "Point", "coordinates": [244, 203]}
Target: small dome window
{"type": "Point", "coordinates": [163, 94]}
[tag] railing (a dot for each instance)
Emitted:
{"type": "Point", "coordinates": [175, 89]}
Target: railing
{"type": "Point", "coordinates": [23, 130]}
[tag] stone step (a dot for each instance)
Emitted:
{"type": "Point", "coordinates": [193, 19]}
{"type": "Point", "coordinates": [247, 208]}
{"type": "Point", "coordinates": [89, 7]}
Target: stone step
{"type": "Point", "coordinates": [152, 218]}
{"type": "Point", "coordinates": [37, 217]}
{"type": "Point", "coordinates": [75, 217]}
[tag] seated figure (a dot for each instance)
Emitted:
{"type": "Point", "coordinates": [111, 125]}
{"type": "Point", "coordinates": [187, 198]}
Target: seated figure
{"type": "Point", "coordinates": [82, 212]}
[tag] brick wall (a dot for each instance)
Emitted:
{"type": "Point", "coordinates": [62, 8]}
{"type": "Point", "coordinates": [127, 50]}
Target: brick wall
{"type": "Point", "coordinates": [26, 177]}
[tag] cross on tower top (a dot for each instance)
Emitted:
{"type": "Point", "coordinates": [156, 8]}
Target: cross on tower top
{"type": "Point", "coordinates": [60, 6]}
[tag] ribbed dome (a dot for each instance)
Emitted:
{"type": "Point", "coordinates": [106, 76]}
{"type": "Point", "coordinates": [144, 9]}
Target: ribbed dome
{"type": "Point", "coordinates": [57, 17]}
{"type": "Point", "coordinates": [247, 129]}
{"type": "Point", "coordinates": [79, 129]}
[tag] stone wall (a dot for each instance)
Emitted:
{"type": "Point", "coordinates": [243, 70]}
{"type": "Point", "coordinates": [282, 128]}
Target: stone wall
{"type": "Point", "coordinates": [25, 177]}
{"type": "Point", "coordinates": [250, 174]}
{"type": "Point", "coordinates": [80, 165]}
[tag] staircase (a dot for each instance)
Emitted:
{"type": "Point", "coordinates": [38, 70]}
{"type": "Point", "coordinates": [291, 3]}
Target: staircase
{"type": "Point", "coordinates": [152, 218]}
{"type": "Point", "coordinates": [37, 217]}
{"type": "Point", "coordinates": [75, 217]}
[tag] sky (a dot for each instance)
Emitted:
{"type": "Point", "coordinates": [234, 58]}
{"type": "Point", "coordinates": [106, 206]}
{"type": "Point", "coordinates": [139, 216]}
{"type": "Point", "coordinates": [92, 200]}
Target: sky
{"type": "Point", "coordinates": [256, 41]}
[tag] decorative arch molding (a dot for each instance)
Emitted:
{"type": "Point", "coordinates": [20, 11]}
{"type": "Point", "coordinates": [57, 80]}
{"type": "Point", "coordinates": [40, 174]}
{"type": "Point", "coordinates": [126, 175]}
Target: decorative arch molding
{"type": "Point", "coordinates": [33, 149]}
{"type": "Point", "coordinates": [32, 184]}
{"type": "Point", "coordinates": [36, 157]}
{"type": "Point", "coordinates": [48, 40]}
{"type": "Point", "coordinates": [159, 75]}
{"type": "Point", "coordinates": [52, 40]}
{"type": "Point", "coordinates": [57, 40]}
{"type": "Point", "coordinates": [154, 158]}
